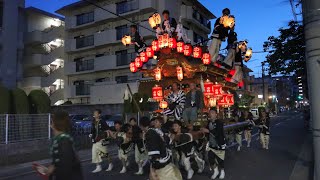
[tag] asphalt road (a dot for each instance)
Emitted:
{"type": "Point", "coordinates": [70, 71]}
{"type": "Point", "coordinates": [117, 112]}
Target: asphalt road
{"type": "Point", "coordinates": [277, 163]}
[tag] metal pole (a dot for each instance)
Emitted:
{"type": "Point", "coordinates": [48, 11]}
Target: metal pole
{"type": "Point", "coordinates": [311, 20]}
{"type": "Point", "coordinates": [263, 91]}
{"type": "Point", "coordinates": [7, 127]}
{"type": "Point", "coordinates": [49, 126]}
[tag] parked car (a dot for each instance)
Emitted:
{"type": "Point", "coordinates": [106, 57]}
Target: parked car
{"type": "Point", "coordinates": [111, 119]}
{"type": "Point", "coordinates": [81, 124]}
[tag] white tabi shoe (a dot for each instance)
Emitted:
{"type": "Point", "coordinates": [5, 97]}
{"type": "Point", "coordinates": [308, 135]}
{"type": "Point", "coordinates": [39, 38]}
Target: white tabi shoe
{"type": "Point", "coordinates": [222, 174]}
{"type": "Point", "coordinates": [215, 173]}
{"type": "Point", "coordinates": [239, 148]}
{"type": "Point", "coordinates": [110, 167]}
{"type": "Point", "coordinates": [140, 172]}
{"type": "Point", "coordinates": [98, 169]}
{"type": "Point", "coordinates": [124, 170]}
{"type": "Point", "coordinates": [190, 174]}
{"type": "Point", "coordinates": [248, 145]}
{"type": "Point", "coordinates": [202, 166]}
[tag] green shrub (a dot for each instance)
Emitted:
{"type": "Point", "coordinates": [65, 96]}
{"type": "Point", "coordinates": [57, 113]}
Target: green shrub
{"type": "Point", "coordinates": [5, 100]}
{"type": "Point", "coordinates": [20, 102]}
{"type": "Point", "coordinates": [39, 102]}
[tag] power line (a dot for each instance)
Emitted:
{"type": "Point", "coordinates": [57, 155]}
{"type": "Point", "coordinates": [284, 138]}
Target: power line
{"type": "Point", "coordinates": [98, 6]}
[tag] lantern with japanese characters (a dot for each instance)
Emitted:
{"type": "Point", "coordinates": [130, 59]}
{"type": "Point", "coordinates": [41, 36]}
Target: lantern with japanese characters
{"type": "Point", "coordinates": [155, 45]}
{"type": "Point", "coordinates": [143, 56]}
{"type": "Point", "coordinates": [208, 88]}
{"type": "Point", "coordinates": [217, 90]}
{"type": "Point", "coordinates": [149, 52]}
{"type": "Point", "coordinates": [230, 99]}
{"type": "Point", "coordinates": [180, 47]}
{"type": "Point", "coordinates": [248, 55]}
{"type": "Point", "coordinates": [157, 74]}
{"type": "Point", "coordinates": [126, 40]}
{"type": "Point", "coordinates": [163, 40]}
{"type": "Point", "coordinates": [157, 93]}
{"type": "Point", "coordinates": [197, 52]}
{"type": "Point", "coordinates": [172, 43]}
{"type": "Point", "coordinates": [179, 73]}
{"type": "Point", "coordinates": [223, 101]}
{"type": "Point", "coordinates": [155, 20]}
{"type": "Point", "coordinates": [163, 104]}
{"type": "Point", "coordinates": [133, 67]}
{"type": "Point", "coordinates": [187, 50]}
{"type": "Point", "coordinates": [138, 62]}
{"type": "Point", "coordinates": [206, 58]}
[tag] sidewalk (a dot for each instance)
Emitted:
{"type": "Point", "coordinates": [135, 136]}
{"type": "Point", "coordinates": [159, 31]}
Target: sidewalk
{"type": "Point", "coordinates": [26, 168]}
{"type": "Point", "coordinates": [303, 168]}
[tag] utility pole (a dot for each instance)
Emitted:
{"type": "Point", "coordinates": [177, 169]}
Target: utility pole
{"type": "Point", "coordinates": [311, 21]}
{"type": "Point", "coordinates": [263, 88]}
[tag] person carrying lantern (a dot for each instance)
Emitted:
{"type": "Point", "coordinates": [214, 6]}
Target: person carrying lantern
{"type": "Point", "coordinates": [99, 148]}
{"type": "Point", "coordinates": [264, 129]}
{"type": "Point", "coordinates": [140, 153]}
{"type": "Point", "coordinates": [232, 47]}
{"type": "Point", "coordinates": [137, 40]}
{"type": "Point", "coordinates": [157, 145]}
{"type": "Point", "coordinates": [238, 62]}
{"type": "Point", "coordinates": [216, 143]}
{"type": "Point", "coordinates": [194, 103]}
{"type": "Point", "coordinates": [176, 100]}
{"type": "Point", "coordinates": [220, 32]}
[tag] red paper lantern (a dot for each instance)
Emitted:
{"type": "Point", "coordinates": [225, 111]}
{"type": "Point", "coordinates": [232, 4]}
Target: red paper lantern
{"type": "Point", "coordinates": [143, 56]}
{"type": "Point", "coordinates": [230, 99]}
{"type": "Point", "coordinates": [208, 88]}
{"type": "Point", "coordinates": [155, 45]}
{"type": "Point", "coordinates": [179, 73]}
{"type": "Point", "coordinates": [138, 62]}
{"type": "Point", "coordinates": [197, 52]}
{"type": "Point", "coordinates": [133, 67]}
{"type": "Point", "coordinates": [163, 40]}
{"type": "Point", "coordinates": [180, 47]}
{"type": "Point", "coordinates": [172, 43]}
{"type": "Point", "coordinates": [224, 100]}
{"type": "Point", "coordinates": [217, 90]}
{"type": "Point", "coordinates": [206, 58]}
{"type": "Point", "coordinates": [157, 93]}
{"type": "Point", "coordinates": [241, 84]}
{"type": "Point", "coordinates": [157, 74]}
{"type": "Point", "coordinates": [232, 72]}
{"type": "Point", "coordinates": [187, 50]}
{"type": "Point", "coordinates": [149, 52]}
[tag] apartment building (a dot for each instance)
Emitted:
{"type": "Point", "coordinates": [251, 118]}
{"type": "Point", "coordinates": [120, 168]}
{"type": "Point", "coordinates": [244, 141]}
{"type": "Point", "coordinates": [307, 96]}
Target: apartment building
{"type": "Point", "coordinates": [11, 42]}
{"type": "Point", "coordinates": [96, 63]}
{"type": "Point", "coordinates": [43, 59]}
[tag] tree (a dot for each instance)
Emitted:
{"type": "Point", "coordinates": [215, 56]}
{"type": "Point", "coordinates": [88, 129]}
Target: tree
{"type": "Point", "coordinates": [246, 100]}
{"type": "Point", "coordinates": [39, 102]}
{"type": "Point", "coordinates": [5, 100]}
{"type": "Point", "coordinates": [20, 102]}
{"type": "Point", "coordinates": [287, 51]}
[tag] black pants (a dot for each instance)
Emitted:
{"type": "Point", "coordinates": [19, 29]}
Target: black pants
{"type": "Point", "coordinates": [214, 159]}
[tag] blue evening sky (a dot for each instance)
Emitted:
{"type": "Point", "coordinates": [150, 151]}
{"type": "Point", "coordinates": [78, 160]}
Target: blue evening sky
{"type": "Point", "coordinates": [256, 20]}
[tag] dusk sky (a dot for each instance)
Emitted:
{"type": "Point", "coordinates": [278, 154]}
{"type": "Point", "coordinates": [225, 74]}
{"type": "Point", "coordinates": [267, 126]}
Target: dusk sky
{"type": "Point", "coordinates": [256, 20]}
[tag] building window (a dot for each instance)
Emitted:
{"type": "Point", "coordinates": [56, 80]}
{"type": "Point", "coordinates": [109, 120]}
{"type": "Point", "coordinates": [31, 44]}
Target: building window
{"type": "Point", "coordinates": [202, 20]}
{"type": "Point", "coordinates": [124, 58]}
{"type": "Point", "coordinates": [85, 18]}
{"type": "Point", "coordinates": [82, 88]}
{"type": "Point", "coordinates": [121, 79]}
{"type": "Point", "coordinates": [197, 38]}
{"type": "Point", "coordinates": [84, 41]}
{"type": "Point", "coordinates": [84, 65]}
{"type": "Point", "coordinates": [127, 6]}
{"type": "Point", "coordinates": [121, 31]}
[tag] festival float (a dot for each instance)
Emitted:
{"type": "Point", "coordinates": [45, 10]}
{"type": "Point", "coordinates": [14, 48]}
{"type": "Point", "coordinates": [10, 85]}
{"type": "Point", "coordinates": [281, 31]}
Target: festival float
{"type": "Point", "coordinates": [180, 61]}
